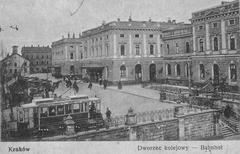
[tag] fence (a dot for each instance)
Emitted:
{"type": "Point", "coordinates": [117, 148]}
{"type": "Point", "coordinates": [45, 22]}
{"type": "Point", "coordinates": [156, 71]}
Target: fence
{"type": "Point", "coordinates": [144, 117]}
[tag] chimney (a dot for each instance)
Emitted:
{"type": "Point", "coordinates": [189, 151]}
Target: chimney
{"type": "Point", "coordinates": [62, 37]}
{"type": "Point", "coordinates": [103, 22]}
{"type": "Point", "coordinates": [73, 35]}
{"type": "Point", "coordinates": [150, 20]}
{"type": "Point", "coordinates": [38, 45]}
{"type": "Point", "coordinates": [80, 35]}
{"type": "Point", "coordinates": [31, 45]}
{"type": "Point", "coordinates": [118, 19]}
{"type": "Point", "coordinates": [174, 21]}
{"type": "Point", "coordinates": [68, 35]}
{"type": "Point", "coordinates": [14, 49]}
{"type": "Point", "coordinates": [130, 18]}
{"type": "Point", "coordinates": [169, 20]}
{"type": "Point", "coordinates": [224, 2]}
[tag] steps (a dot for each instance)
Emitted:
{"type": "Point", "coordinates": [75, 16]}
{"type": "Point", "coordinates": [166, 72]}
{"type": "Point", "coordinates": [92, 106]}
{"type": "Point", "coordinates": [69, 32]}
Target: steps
{"type": "Point", "coordinates": [227, 132]}
{"type": "Point", "coordinates": [230, 126]}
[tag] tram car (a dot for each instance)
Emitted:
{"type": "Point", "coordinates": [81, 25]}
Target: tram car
{"type": "Point", "coordinates": [46, 116]}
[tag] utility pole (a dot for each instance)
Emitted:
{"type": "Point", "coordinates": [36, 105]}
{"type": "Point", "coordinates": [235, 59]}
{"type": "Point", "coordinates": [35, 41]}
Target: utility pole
{"type": "Point", "coordinates": [189, 79]}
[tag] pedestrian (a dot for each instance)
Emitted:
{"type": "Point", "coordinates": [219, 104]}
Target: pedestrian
{"type": "Point", "coordinates": [90, 85]}
{"type": "Point", "coordinates": [105, 84]}
{"type": "Point", "coordinates": [75, 87]}
{"type": "Point", "coordinates": [100, 81]}
{"type": "Point", "coordinates": [108, 114]}
{"type": "Point", "coordinates": [120, 85]}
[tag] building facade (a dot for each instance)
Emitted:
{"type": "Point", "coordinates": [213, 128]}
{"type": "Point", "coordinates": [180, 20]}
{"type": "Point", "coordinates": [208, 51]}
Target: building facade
{"type": "Point", "coordinates": [135, 51]}
{"type": "Point", "coordinates": [14, 65]}
{"type": "Point", "coordinates": [40, 58]}
{"type": "Point", "coordinates": [66, 55]}
{"type": "Point", "coordinates": [216, 44]}
{"type": "Point", "coordinates": [130, 51]}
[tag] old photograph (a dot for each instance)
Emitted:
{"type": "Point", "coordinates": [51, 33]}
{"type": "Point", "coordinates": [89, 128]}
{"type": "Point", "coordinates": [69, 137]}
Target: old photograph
{"type": "Point", "coordinates": [119, 70]}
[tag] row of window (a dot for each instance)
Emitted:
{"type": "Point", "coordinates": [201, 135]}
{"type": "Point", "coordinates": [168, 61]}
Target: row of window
{"type": "Point", "coordinates": [37, 56]}
{"type": "Point", "coordinates": [137, 50]}
{"type": "Point", "coordinates": [177, 70]}
{"type": "Point", "coordinates": [232, 71]}
{"type": "Point", "coordinates": [232, 43]}
{"type": "Point", "coordinates": [202, 72]}
{"type": "Point", "coordinates": [98, 52]}
{"type": "Point", "coordinates": [42, 62]}
{"type": "Point", "coordinates": [187, 48]}
{"type": "Point", "coordinates": [64, 109]}
{"type": "Point", "coordinates": [136, 35]}
{"type": "Point", "coordinates": [96, 39]}
{"type": "Point", "coordinates": [215, 24]}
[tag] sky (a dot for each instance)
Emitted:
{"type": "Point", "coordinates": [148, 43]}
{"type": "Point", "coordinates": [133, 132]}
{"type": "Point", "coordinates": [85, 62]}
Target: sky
{"type": "Point", "coordinates": [41, 22]}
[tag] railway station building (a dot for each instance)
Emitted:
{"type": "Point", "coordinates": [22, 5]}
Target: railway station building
{"type": "Point", "coordinates": [133, 51]}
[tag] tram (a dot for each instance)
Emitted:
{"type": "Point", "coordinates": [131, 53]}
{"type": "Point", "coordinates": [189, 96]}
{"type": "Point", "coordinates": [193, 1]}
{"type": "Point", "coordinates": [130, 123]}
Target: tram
{"type": "Point", "coordinates": [47, 115]}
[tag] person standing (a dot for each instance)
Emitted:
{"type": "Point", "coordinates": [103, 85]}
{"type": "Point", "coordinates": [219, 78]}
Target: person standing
{"type": "Point", "coordinates": [105, 84]}
{"type": "Point", "coordinates": [90, 85]}
{"type": "Point", "coordinates": [119, 85]}
{"type": "Point", "coordinates": [75, 87]}
{"type": "Point", "coordinates": [108, 114]}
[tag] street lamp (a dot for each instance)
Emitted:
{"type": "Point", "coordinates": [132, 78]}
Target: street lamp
{"type": "Point", "coordinates": [189, 79]}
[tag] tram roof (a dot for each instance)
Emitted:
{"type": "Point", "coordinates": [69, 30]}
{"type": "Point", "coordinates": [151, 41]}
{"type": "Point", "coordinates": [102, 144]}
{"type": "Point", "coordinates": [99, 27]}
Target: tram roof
{"type": "Point", "coordinates": [43, 100]}
{"type": "Point", "coordinates": [78, 97]}
{"type": "Point", "coordinates": [52, 102]}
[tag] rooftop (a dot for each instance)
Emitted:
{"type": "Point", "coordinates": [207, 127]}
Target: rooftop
{"type": "Point", "coordinates": [36, 49]}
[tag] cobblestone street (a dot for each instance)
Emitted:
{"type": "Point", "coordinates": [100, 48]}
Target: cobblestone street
{"type": "Point", "coordinates": [119, 101]}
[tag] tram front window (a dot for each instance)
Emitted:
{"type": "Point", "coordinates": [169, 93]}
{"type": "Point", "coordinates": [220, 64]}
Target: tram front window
{"type": "Point", "coordinates": [52, 110]}
{"type": "Point", "coordinates": [76, 108]}
{"type": "Point", "coordinates": [68, 108]}
{"type": "Point", "coordinates": [60, 110]}
{"type": "Point", "coordinates": [44, 112]}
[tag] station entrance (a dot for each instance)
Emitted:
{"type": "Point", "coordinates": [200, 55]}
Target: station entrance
{"type": "Point", "coordinates": [95, 73]}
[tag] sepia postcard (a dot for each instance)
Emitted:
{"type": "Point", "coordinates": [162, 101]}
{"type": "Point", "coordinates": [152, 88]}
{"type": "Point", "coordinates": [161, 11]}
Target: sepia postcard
{"type": "Point", "coordinates": [120, 76]}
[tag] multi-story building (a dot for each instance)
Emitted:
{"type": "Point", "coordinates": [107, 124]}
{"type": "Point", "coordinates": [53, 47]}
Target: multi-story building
{"type": "Point", "coordinates": [147, 51]}
{"type": "Point", "coordinates": [216, 43]}
{"type": "Point", "coordinates": [125, 50]}
{"type": "Point", "coordinates": [66, 54]}
{"type": "Point", "coordinates": [177, 50]}
{"type": "Point", "coordinates": [14, 65]}
{"type": "Point", "coordinates": [40, 58]}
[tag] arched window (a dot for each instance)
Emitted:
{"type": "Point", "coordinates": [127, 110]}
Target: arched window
{"type": "Point", "coordinates": [202, 71]}
{"type": "Point", "coordinates": [168, 69]}
{"type": "Point", "coordinates": [151, 49]}
{"type": "Point", "coordinates": [122, 49]}
{"type": "Point", "coordinates": [233, 72]}
{"type": "Point", "coordinates": [201, 45]}
{"type": "Point", "coordinates": [215, 44]}
{"type": "Point", "coordinates": [187, 47]}
{"type": "Point", "coordinates": [15, 64]}
{"type": "Point", "coordinates": [123, 71]}
{"type": "Point", "coordinates": [178, 70]}
{"type": "Point", "coordinates": [232, 43]}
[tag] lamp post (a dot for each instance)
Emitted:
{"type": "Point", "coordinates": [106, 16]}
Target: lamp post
{"type": "Point", "coordinates": [189, 79]}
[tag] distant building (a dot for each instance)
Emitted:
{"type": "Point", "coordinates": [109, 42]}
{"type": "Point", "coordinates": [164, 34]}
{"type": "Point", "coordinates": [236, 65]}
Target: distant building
{"type": "Point", "coordinates": [14, 65]}
{"type": "Point", "coordinates": [66, 54]}
{"type": "Point", "coordinates": [40, 58]}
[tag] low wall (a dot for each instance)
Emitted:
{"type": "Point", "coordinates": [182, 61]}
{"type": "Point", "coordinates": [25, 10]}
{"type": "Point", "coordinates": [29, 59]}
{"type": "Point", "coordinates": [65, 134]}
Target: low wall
{"type": "Point", "coordinates": [198, 126]}
{"type": "Point", "coordinates": [192, 126]}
